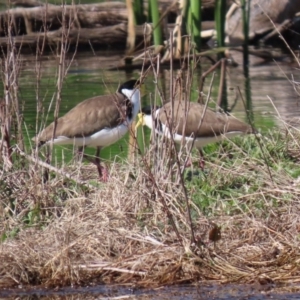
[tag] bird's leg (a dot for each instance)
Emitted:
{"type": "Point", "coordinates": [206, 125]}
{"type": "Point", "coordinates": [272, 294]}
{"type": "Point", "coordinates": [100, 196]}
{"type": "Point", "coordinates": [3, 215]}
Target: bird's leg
{"type": "Point", "coordinates": [201, 161]}
{"type": "Point", "coordinates": [48, 161]}
{"type": "Point", "coordinates": [79, 153]}
{"type": "Point", "coordinates": [188, 161]}
{"type": "Point", "coordinates": [103, 173]}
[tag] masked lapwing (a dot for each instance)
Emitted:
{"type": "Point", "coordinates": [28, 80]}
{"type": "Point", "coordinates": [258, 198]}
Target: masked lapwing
{"type": "Point", "coordinates": [96, 122]}
{"type": "Point", "coordinates": [192, 124]}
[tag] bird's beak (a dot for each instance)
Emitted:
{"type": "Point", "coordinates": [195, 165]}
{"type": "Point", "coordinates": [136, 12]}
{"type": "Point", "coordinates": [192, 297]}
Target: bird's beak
{"type": "Point", "coordinates": [140, 121]}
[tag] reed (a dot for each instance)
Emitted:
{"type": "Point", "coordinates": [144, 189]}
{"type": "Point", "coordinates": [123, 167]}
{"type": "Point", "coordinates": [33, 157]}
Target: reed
{"type": "Point", "coordinates": [220, 13]}
{"type": "Point", "coordinates": [11, 119]}
{"type": "Point", "coordinates": [157, 33]}
{"type": "Point", "coordinates": [195, 23]}
{"type": "Point", "coordinates": [138, 7]}
{"type": "Point", "coordinates": [246, 19]}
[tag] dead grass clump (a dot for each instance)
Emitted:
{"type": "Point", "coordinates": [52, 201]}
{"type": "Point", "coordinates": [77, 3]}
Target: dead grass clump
{"type": "Point", "coordinates": [60, 233]}
{"type": "Point", "coordinates": [110, 234]}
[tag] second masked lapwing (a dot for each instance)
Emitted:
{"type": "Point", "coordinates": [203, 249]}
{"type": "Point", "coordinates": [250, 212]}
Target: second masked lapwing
{"type": "Point", "coordinates": [192, 123]}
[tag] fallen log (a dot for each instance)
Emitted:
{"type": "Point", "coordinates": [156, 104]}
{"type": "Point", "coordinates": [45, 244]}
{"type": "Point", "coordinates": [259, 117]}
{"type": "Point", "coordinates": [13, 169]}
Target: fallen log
{"type": "Point", "coordinates": [110, 35]}
{"type": "Point", "coordinates": [27, 3]}
{"type": "Point", "coordinates": [50, 17]}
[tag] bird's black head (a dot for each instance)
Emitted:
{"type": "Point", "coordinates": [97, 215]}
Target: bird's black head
{"type": "Point", "coordinates": [147, 110]}
{"type": "Point", "coordinates": [129, 85]}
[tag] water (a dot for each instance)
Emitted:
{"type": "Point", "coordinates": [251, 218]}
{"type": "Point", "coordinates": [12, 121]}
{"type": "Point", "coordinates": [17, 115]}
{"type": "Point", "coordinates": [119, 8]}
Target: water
{"type": "Point", "coordinates": [184, 292]}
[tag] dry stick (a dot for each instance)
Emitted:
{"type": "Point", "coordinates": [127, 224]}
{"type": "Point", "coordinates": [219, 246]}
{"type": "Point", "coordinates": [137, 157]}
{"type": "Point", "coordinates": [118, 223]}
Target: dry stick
{"type": "Point", "coordinates": [188, 96]}
{"type": "Point", "coordinates": [295, 84]}
{"type": "Point", "coordinates": [280, 35]}
{"type": "Point", "coordinates": [282, 27]}
{"type": "Point", "coordinates": [256, 136]}
{"type": "Point", "coordinates": [5, 141]}
{"type": "Point", "coordinates": [152, 178]}
{"type": "Point", "coordinates": [130, 42]}
{"type": "Point", "coordinates": [285, 123]}
{"type": "Point", "coordinates": [201, 119]}
{"type": "Point", "coordinates": [39, 52]}
{"type": "Point", "coordinates": [291, 81]}
{"type": "Point", "coordinates": [60, 75]}
{"type": "Point", "coordinates": [62, 68]}
{"type": "Point", "coordinates": [171, 84]}
{"type": "Point", "coordinates": [15, 88]}
{"type": "Point", "coordinates": [10, 90]}
{"type": "Point", "coordinates": [51, 168]}
{"type": "Point", "coordinates": [171, 93]}
{"type": "Point", "coordinates": [176, 155]}
{"type": "Point", "coordinates": [70, 26]}
{"type": "Point", "coordinates": [211, 69]}
{"type": "Point", "coordinates": [38, 67]}
{"type": "Point", "coordinates": [181, 180]}
{"type": "Point", "coordinates": [93, 266]}
{"type": "Point", "coordinates": [166, 208]}
{"type": "Point", "coordinates": [222, 80]}
{"type": "Point", "coordinates": [189, 153]}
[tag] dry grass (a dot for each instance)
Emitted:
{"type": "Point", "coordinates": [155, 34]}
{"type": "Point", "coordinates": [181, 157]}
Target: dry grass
{"type": "Point", "coordinates": [60, 233]}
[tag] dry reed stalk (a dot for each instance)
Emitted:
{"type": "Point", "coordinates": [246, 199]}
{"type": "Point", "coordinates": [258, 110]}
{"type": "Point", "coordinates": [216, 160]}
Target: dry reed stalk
{"type": "Point", "coordinates": [38, 71]}
{"type": "Point", "coordinates": [53, 169]}
{"type": "Point", "coordinates": [130, 43]}
{"type": "Point", "coordinates": [62, 69]}
{"type": "Point", "coordinates": [10, 107]}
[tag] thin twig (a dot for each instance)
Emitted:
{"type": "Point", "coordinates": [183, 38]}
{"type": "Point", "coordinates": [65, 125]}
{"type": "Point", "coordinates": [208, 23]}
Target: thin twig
{"type": "Point", "coordinates": [53, 169]}
{"type": "Point", "coordinates": [256, 137]}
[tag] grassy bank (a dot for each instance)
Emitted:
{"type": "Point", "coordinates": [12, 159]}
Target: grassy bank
{"type": "Point", "coordinates": [61, 233]}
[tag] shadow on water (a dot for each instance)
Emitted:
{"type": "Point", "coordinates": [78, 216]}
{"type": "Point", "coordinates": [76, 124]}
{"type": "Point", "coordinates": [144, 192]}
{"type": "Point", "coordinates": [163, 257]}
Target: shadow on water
{"type": "Point", "coordinates": [185, 292]}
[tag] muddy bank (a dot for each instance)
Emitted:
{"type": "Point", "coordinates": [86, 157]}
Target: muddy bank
{"type": "Point", "coordinates": [197, 291]}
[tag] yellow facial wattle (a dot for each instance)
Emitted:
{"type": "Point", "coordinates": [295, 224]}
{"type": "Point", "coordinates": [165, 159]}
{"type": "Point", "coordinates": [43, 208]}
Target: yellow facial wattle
{"type": "Point", "coordinates": [140, 121]}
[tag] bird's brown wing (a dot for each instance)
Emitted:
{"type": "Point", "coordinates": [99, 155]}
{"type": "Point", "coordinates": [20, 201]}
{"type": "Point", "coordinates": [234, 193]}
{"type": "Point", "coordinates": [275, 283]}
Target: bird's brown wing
{"type": "Point", "coordinates": [89, 117]}
{"type": "Point", "coordinates": [188, 116]}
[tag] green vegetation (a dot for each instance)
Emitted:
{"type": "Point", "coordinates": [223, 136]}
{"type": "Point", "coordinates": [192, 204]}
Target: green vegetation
{"type": "Point", "coordinates": [246, 24]}
{"type": "Point", "coordinates": [236, 187]}
{"type": "Point", "coordinates": [220, 15]}
{"type": "Point", "coordinates": [157, 33]}
{"type": "Point", "coordinates": [138, 7]}
{"type": "Point", "coordinates": [195, 22]}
